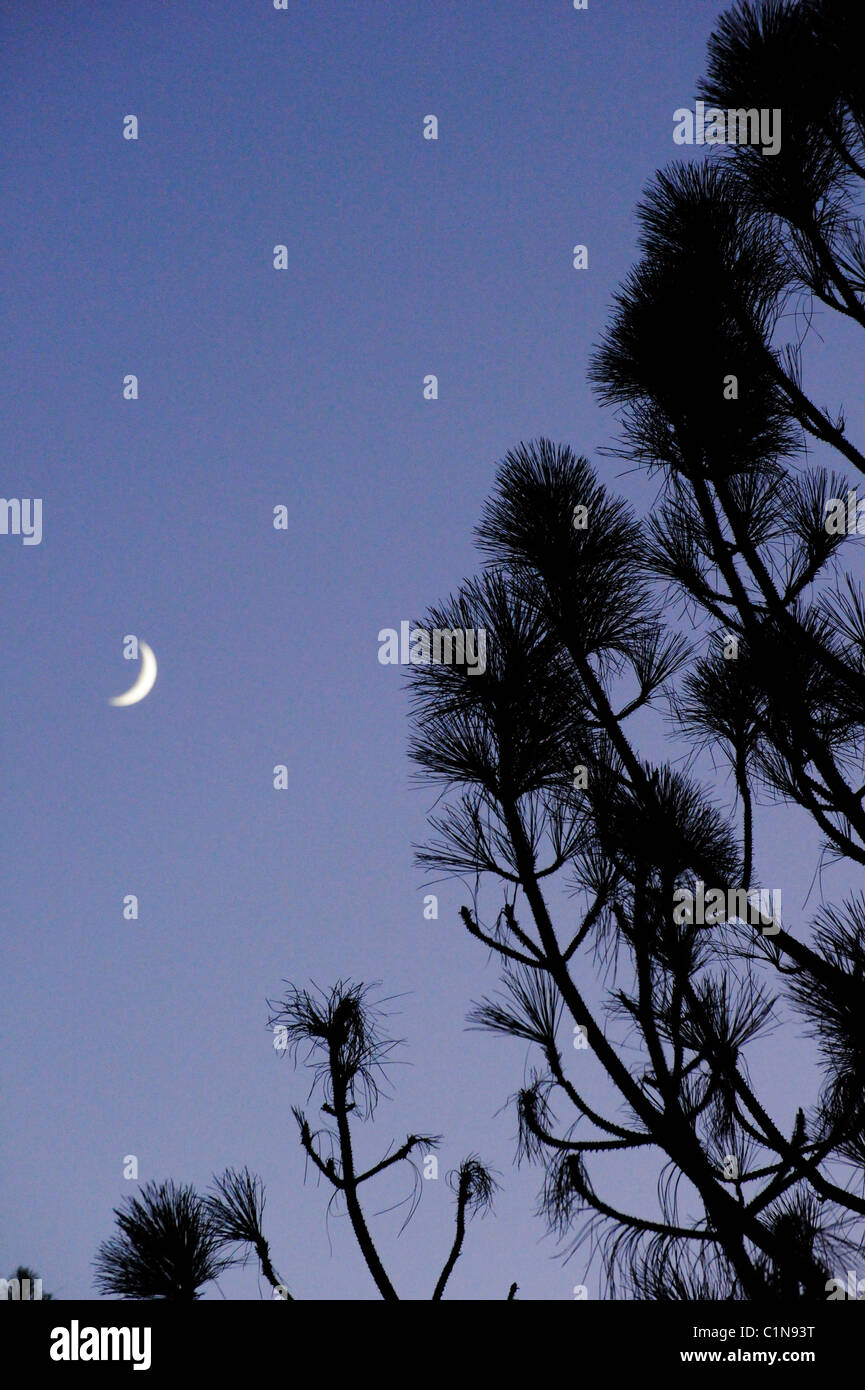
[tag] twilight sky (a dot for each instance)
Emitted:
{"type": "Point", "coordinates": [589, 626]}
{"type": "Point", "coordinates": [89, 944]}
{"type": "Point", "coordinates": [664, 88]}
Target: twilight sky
{"type": "Point", "coordinates": [302, 387]}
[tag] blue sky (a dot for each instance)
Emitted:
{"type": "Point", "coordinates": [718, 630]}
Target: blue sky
{"type": "Point", "coordinates": [304, 388]}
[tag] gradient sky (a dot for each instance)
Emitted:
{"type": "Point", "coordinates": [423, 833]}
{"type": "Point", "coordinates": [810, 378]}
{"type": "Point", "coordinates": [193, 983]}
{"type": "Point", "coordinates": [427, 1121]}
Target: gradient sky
{"type": "Point", "coordinates": [302, 387]}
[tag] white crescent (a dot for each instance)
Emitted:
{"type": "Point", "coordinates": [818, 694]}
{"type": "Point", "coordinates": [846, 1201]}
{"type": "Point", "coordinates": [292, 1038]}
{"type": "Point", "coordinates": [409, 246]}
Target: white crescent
{"type": "Point", "coordinates": [145, 681]}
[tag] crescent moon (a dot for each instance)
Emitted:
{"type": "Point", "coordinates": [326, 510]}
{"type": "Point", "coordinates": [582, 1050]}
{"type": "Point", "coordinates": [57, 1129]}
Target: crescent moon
{"type": "Point", "coordinates": [145, 681]}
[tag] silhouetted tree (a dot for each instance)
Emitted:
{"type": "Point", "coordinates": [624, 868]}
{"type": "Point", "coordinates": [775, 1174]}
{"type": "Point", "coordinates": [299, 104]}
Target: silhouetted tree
{"type": "Point", "coordinates": [712, 398]}
{"type": "Point", "coordinates": [167, 1247]}
{"type": "Point", "coordinates": [546, 781]}
{"type": "Point", "coordinates": [347, 1053]}
{"type": "Point", "coordinates": [731, 249]}
{"type": "Point", "coordinates": [173, 1241]}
